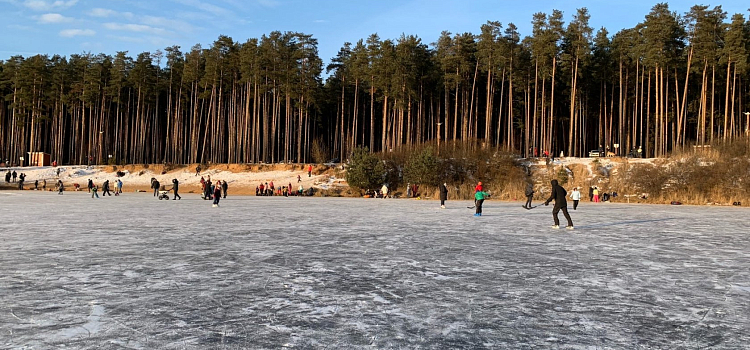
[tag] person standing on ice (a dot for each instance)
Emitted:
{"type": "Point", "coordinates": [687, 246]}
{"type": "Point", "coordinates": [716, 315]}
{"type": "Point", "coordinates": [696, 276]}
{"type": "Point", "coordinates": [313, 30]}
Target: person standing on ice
{"type": "Point", "coordinates": [384, 190]}
{"type": "Point", "coordinates": [175, 188]}
{"type": "Point", "coordinates": [479, 197]}
{"type": "Point", "coordinates": [558, 195]}
{"type": "Point", "coordinates": [443, 194]}
{"type": "Point", "coordinates": [118, 187]}
{"type": "Point", "coordinates": [217, 194]}
{"type": "Point", "coordinates": [60, 187]}
{"type": "Point", "coordinates": [224, 187]}
{"type": "Point", "coordinates": [478, 188]}
{"type": "Point", "coordinates": [14, 175]}
{"type": "Point", "coordinates": [576, 197]}
{"type": "Point", "coordinates": [105, 189]}
{"type": "Point", "coordinates": [94, 189]}
{"type": "Point", "coordinates": [529, 195]}
{"type": "Point", "coordinates": [155, 185]}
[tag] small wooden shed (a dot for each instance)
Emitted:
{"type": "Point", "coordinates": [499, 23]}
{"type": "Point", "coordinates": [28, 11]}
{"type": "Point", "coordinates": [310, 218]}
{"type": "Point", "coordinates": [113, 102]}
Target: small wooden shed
{"type": "Point", "coordinates": [39, 159]}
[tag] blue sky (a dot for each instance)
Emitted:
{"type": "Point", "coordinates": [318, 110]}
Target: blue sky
{"type": "Point", "coordinates": [107, 26]}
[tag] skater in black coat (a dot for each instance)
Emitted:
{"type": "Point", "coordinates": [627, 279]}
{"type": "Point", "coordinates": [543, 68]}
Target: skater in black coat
{"type": "Point", "coordinates": [175, 188]}
{"type": "Point", "coordinates": [529, 195]}
{"type": "Point", "coordinates": [558, 195]}
{"type": "Point", "coordinates": [155, 185]}
{"type": "Point", "coordinates": [224, 188]}
{"type": "Point", "coordinates": [105, 189]}
{"type": "Point", "coordinates": [443, 194]}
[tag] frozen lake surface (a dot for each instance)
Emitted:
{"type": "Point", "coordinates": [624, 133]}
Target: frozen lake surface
{"type": "Point", "coordinates": [133, 272]}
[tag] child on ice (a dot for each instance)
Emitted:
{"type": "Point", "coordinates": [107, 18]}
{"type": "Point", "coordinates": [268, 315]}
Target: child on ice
{"type": "Point", "coordinates": [479, 197]}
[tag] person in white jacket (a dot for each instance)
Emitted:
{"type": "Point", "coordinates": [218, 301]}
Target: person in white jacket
{"type": "Point", "coordinates": [575, 195]}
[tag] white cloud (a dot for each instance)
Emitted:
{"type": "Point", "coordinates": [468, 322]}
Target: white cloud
{"type": "Point", "coordinates": [105, 13]}
{"type": "Point", "coordinates": [138, 28]}
{"type": "Point", "coordinates": [53, 18]}
{"type": "Point", "coordinates": [213, 9]}
{"type": "Point", "coordinates": [100, 12]}
{"type": "Point", "coordinates": [19, 27]}
{"type": "Point", "coordinates": [69, 33]}
{"type": "Point", "coordinates": [176, 25]}
{"type": "Point", "coordinates": [42, 5]}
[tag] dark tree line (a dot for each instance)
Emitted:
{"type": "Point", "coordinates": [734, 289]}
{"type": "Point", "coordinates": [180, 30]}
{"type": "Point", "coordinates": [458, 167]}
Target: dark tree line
{"type": "Point", "coordinates": [670, 82]}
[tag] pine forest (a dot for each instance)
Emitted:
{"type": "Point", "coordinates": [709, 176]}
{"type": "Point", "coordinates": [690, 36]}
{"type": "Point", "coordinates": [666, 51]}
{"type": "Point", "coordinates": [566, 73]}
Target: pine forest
{"type": "Point", "coordinates": [673, 81]}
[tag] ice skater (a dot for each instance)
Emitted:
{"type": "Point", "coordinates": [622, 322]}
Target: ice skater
{"type": "Point", "coordinates": [384, 191]}
{"type": "Point", "coordinates": [558, 195]}
{"type": "Point", "coordinates": [217, 195]}
{"type": "Point", "coordinates": [224, 188]}
{"type": "Point", "coordinates": [175, 188]}
{"type": "Point", "coordinates": [60, 187]}
{"type": "Point", "coordinates": [105, 189]}
{"type": "Point", "coordinates": [478, 188]}
{"type": "Point", "coordinates": [443, 194]}
{"type": "Point", "coordinates": [479, 197]}
{"type": "Point", "coordinates": [529, 195]}
{"type": "Point", "coordinates": [155, 185]}
{"type": "Point", "coordinates": [576, 197]}
{"type": "Point", "coordinates": [94, 189]}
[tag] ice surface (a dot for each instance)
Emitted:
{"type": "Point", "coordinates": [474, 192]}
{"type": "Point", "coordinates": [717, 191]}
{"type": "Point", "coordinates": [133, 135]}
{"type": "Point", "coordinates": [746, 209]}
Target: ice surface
{"type": "Point", "coordinates": [266, 273]}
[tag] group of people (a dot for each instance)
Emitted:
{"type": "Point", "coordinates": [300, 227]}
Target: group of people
{"type": "Point", "coordinates": [94, 189]}
{"type": "Point", "coordinates": [269, 189]}
{"type": "Point", "coordinates": [12, 176]}
{"type": "Point", "coordinates": [213, 190]}
{"type": "Point", "coordinates": [596, 195]}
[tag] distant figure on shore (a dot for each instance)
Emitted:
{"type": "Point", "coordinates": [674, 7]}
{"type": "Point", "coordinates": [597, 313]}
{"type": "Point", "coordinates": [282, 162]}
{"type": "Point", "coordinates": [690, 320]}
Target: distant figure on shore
{"type": "Point", "coordinates": [384, 190]}
{"type": "Point", "coordinates": [309, 170]}
{"type": "Point", "coordinates": [197, 170]}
